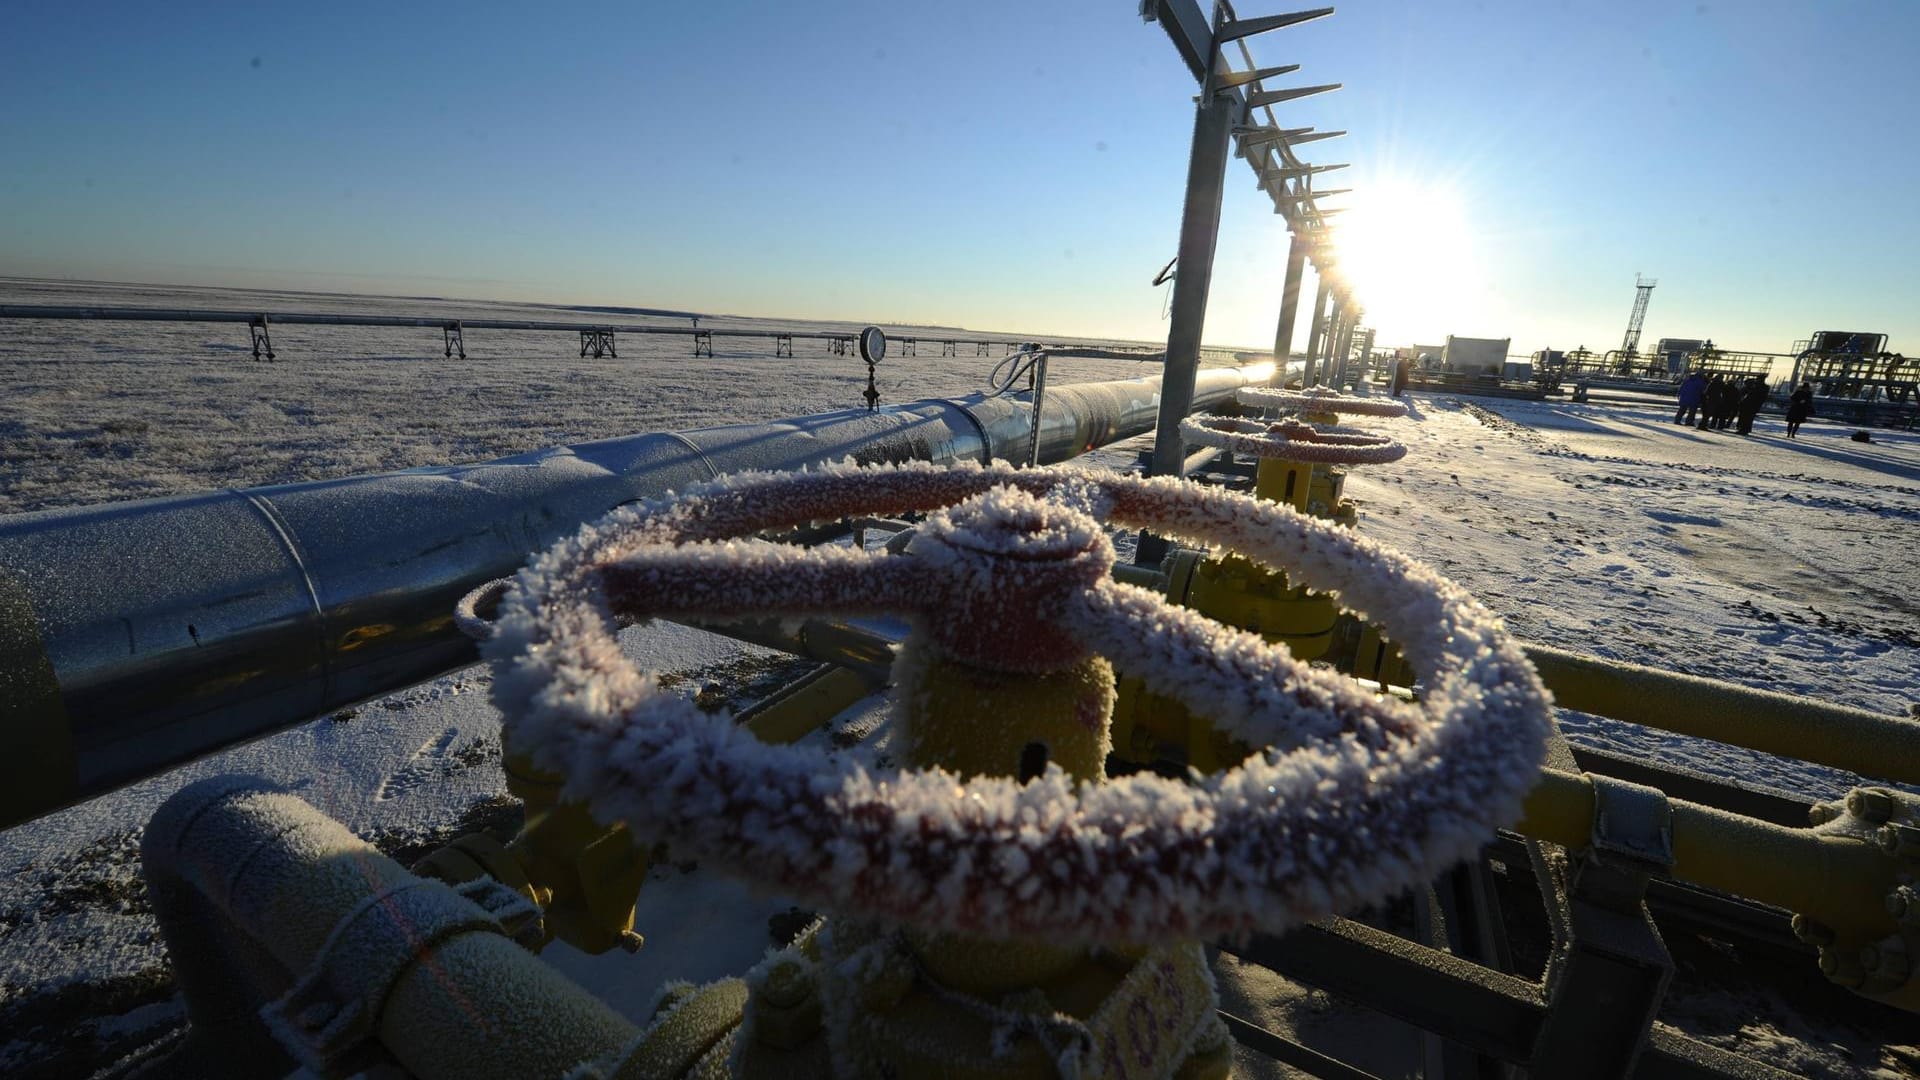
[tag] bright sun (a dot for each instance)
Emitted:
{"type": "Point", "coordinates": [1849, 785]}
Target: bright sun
{"type": "Point", "coordinates": [1409, 252]}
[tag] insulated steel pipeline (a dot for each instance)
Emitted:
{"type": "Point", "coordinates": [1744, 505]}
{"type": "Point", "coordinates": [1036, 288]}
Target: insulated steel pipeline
{"type": "Point", "coordinates": [136, 636]}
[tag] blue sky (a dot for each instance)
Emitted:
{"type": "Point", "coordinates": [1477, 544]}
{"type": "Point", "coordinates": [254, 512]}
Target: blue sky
{"type": "Point", "coordinates": [999, 165]}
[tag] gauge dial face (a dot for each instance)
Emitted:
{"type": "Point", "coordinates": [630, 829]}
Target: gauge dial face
{"type": "Point", "coordinates": [873, 345]}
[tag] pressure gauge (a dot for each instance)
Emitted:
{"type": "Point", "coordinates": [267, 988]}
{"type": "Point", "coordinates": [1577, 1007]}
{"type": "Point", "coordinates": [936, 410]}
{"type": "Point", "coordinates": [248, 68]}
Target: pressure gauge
{"type": "Point", "coordinates": [873, 345]}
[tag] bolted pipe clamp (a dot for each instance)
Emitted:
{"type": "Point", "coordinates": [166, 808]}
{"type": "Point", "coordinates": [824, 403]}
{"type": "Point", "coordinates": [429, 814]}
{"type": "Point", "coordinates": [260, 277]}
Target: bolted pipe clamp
{"type": "Point", "coordinates": [1632, 822]}
{"type": "Point", "coordinates": [1632, 841]}
{"type": "Point", "coordinates": [333, 1011]}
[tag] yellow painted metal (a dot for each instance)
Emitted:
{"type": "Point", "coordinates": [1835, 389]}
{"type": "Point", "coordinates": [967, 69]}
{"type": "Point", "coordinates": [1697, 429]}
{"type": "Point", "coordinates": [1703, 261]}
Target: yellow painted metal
{"type": "Point", "coordinates": [1150, 1014]}
{"type": "Point", "coordinates": [806, 705]}
{"type": "Point", "coordinates": [585, 876]}
{"type": "Point", "coordinates": [1839, 878]}
{"type": "Point", "coordinates": [1287, 482]}
{"type": "Point", "coordinates": [1853, 739]}
{"type": "Point", "coordinates": [976, 722]}
{"type": "Point", "coordinates": [915, 1003]}
{"type": "Point", "coordinates": [680, 1039]}
{"type": "Point", "coordinates": [1148, 727]}
{"type": "Point", "coordinates": [1379, 660]}
{"type": "Point", "coordinates": [1241, 593]}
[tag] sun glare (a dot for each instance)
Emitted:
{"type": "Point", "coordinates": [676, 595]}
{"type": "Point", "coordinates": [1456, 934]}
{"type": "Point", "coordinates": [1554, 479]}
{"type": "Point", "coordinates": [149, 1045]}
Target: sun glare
{"type": "Point", "coordinates": [1409, 253]}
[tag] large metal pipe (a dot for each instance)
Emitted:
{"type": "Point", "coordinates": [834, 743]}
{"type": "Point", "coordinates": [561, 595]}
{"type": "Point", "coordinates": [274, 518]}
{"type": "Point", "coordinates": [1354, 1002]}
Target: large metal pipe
{"type": "Point", "coordinates": [1871, 744]}
{"type": "Point", "coordinates": [135, 636]}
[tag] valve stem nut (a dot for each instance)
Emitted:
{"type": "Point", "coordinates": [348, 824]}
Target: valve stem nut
{"type": "Point", "coordinates": [1813, 933]}
{"type": "Point", "coordinates": [1902, 841]}
{"type": "Point", "coordinates": [1821, 813]}
{"type": "Point", "coordinates": [1887, 958]}
{"type": "Point", "coordinates": [786, 984]}
{"type": "Point", "coordinates": [1842, 967]}
{"type": "Point", "coordinates": [1903, 903]}
{"type": "Point", "coordinates": [1874, 805]}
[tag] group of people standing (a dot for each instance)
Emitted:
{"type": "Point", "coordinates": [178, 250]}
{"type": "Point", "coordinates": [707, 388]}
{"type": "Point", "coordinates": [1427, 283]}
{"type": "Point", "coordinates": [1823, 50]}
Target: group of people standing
{"type": "Point", "coordinates": [1721, 402]}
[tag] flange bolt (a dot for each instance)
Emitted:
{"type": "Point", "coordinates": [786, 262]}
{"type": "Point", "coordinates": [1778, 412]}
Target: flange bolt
{"type": "Point", "coordinates": [1902, 841]}
{"type": "Point", "coordinates": [1874, 805]}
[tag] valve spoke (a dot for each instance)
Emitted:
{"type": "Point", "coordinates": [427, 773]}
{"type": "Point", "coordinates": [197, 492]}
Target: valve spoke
{"type": "Point", "coordinates": [1292, 440]}
{"type": "Point", "coordinates": [755, 578]}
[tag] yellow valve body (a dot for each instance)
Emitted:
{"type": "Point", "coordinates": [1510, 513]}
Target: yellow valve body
{"type": "Point", "coordinates": [585, 876]}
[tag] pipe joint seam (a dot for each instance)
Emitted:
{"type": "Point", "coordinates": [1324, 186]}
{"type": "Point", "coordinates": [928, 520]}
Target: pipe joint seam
{"type": "Point", "coordinates": [331, 1016]}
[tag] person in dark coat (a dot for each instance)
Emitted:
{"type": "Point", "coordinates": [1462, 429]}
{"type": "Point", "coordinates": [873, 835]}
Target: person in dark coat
{"type": "Point", "coordinates": [1400, 376]}
{"type": "Point", "coordinates": [1713, 399]}
{"type": "Point", "coordinates": [1799, 407]}
{"type": "Point", "coordinates": [1693, 392]}
{"type": "Point", "coordinates": [1751, 400]}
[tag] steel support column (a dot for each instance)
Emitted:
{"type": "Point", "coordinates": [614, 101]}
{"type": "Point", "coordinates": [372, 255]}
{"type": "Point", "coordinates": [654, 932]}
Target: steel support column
{"type": "Point", "coordinates": [1343, 345]}
{"type": "Point", "coordinates": [1330, 344]}
{"type": "Point", "coordinates": [1289, 308]}
{"type": "Point", "coordinates": [262, 340]}
{"type": "Point", "coordinates": [1316, 329]}
{"type": "Point", "coordinates": [1199, 230]}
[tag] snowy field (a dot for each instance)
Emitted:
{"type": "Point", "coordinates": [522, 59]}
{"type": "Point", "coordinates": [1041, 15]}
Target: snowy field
{"type": "Point", "coordinates": [1773, 563]}
{"type": "Point", "coordinates": [102, 411]}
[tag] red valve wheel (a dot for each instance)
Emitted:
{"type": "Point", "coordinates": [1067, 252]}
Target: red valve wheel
{"type": "Point", "coordinates": [1318, 400]}
{"type": "Point", "coordinates": [1353, 796]}
{"type": "Point", "coordinates": [1291, 440]}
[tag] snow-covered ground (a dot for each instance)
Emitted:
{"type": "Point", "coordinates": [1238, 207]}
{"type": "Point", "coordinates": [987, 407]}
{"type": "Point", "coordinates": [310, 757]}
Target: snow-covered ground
{"type": "Point", "coordinates": [1786, 564]}
{"type": "Point", "coordinates": [102, 411]}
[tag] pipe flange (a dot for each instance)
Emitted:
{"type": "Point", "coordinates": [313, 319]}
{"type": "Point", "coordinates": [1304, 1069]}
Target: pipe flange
{"type": "Point", "coordinates": [1353, 796]}
{"type": "Point", "coordinates": [1320, 401]}
{"type": "Point", "coordinates": [1291, 440]}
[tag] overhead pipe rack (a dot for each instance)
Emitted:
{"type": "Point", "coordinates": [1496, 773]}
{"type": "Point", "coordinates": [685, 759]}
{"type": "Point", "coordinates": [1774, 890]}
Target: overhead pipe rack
{"type": "Point", "coordinates": [596, 338]}
{"type": "Point", "coordinates": [1226, 104]}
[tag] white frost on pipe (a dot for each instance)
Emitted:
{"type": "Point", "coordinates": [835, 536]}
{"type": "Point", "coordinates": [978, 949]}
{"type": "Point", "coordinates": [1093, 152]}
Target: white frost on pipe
{"type": "Point", "coordinates": [1358, 796]}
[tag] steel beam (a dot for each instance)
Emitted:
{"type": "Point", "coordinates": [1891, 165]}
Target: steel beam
{"type": "Point", "coordinates": [1289, 307]}
{"type": "Point", "coordinates": [1263, 98]}
{"type": "Point", "coordinates": [1316, 327]}
{"type": "Point", "coordinates": [1252, 135]}
{"type": "Point", "coordinates": [1199, 233]}
{"type": "Point", "coordinates": [1235, 29]}
{"type": "Point", "coordinates": [1287, 172]}
{"type": "Point", "coordinates": [1230, 79]}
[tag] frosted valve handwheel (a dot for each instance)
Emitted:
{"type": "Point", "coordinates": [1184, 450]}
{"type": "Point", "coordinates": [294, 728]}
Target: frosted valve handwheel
{"type": "Point", "coordinates": [1291, 440]}
{"type": "Point", "coordinates": [1318, 400]}
{"type": "Point", "coordinates": [1353, 796]}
